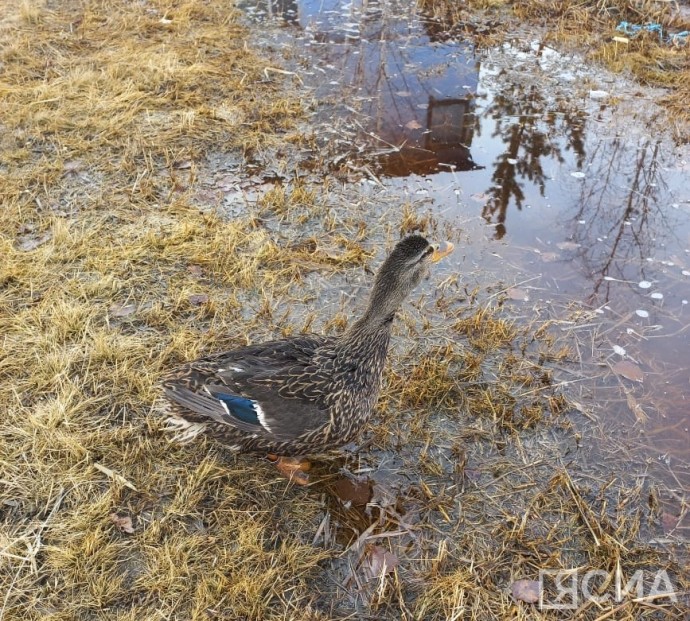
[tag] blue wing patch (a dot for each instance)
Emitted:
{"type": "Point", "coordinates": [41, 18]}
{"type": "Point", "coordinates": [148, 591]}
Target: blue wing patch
{"type": "Point", "coordinates": [240, 407]}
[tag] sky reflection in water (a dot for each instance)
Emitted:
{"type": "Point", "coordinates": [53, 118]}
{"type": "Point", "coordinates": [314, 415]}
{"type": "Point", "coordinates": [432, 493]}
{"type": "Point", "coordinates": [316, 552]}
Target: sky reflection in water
{"type": "Point", "coordinates": [523, 146]}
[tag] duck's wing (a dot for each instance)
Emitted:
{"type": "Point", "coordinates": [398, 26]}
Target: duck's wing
{"type": "Point", "coordinates": [277, 390]}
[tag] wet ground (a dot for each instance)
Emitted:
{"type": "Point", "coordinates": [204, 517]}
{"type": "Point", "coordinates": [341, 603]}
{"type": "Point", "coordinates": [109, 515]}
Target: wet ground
{"type": "Point", "coordinates": [558, 178]}
{"type": "Point", "coordinates": [568, 198]}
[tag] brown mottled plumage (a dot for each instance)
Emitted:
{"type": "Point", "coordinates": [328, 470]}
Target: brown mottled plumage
{"type": "Point", "coordinates": [303, 394]}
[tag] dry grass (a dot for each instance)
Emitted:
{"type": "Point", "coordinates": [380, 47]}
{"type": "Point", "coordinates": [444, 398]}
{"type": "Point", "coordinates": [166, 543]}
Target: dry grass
{"type": "Point", "coordinates": [116, 267]}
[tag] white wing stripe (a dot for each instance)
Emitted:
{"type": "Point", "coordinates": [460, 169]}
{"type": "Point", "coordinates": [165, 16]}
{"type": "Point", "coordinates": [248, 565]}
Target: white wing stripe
{"type": "Point", "coordinates": [261, 415]}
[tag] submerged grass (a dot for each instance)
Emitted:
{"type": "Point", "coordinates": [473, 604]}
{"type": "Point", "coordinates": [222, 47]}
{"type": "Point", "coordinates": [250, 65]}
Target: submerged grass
{"type": "Point", "coordinates": [117, 267]}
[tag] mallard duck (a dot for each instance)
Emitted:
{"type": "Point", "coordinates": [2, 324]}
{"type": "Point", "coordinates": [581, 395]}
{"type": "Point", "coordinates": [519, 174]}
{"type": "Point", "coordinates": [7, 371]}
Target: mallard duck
{"type": "Point", "coordinates": [304, 394]}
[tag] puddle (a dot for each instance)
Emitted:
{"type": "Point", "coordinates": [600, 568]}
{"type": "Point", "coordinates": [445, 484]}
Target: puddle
{"type": "Point", "coordinates": [558, 180]}
{"type": "Point", "coordinates": [553, 171]}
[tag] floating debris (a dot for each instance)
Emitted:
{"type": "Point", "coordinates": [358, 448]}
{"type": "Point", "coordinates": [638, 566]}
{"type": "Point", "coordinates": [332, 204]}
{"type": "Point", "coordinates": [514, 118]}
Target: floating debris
{"type": "Point", "coordinates": [628, 370]}
{"type": "Point", "coordinates": [633, 30]}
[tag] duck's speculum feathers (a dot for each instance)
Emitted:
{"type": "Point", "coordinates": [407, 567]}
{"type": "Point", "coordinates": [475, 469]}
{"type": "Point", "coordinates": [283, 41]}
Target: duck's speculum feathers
{"type": "Point", "coordinates": [243, 409]}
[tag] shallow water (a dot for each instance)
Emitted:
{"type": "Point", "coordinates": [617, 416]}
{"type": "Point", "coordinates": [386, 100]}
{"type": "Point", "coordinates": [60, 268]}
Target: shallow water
{"type": "Point", "coordinates": [558, 179]}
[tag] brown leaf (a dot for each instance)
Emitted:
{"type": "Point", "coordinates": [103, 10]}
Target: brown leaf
{"type": "Point", "coordinates": [628, 370]}
{"type": "Point", "coordinates": [122, 310]}
{"type": "Point", "coordinates": [515, 293]}
{"type": "Point", "coordinates": [526, 591]}
{"type": "Point", "coordinates": [379, 561]}
{"type": "Point", "coordinates": [357, 492]}
{"type": "Point", "coordinates": [198, 299]}
{"type": "Point", "coordinates": [123, 522]}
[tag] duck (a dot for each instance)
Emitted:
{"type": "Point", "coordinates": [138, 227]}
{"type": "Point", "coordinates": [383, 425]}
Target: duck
{"type": "Point", "coordinates": [301, 395]}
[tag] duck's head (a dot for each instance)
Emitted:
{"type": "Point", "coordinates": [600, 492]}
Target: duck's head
{"type": "Point", "coordinates": [400, 273]}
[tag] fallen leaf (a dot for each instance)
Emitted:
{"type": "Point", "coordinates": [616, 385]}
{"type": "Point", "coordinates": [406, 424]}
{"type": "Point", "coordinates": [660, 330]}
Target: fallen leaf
{"type": "Point", "coordinates": [123, 522]}
{"type": "Point", "coordinates": [379, 561]}
{"type": "Point", "coordinates": [628, 370]}
{"type": "Point", "coordinates": [526, 591]}
{"type": "Point", "coordinates": [515, 293]}
{"type": "Point", "coordinates": [122, 310]}
{"type": "Point", "coordinates": [357, 492]}
{"type": "Point", "coordinates": [198, 299]}
{"type": "Point", "coordinates": [413, 125]}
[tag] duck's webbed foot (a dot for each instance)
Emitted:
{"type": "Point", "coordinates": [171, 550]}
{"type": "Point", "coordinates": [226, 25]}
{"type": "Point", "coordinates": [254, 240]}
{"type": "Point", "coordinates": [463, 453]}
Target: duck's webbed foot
{"type": "Point", "coordinates": [294, 468]}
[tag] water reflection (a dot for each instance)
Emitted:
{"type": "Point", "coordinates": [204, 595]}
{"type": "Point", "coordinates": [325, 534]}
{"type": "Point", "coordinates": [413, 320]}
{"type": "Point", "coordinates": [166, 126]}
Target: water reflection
{"type": "Point", "coordinates": [410, 97]}
{"type": "Point", "coordinates": [535, 133]}
{"type": "Point", "coordinates": [620, 214]}
{"type": "Point", "coordinates": [586, 204]}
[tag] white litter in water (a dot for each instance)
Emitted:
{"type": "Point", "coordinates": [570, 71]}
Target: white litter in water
{"type": "Point", "coordinates": [642, 313]}
{"type": "Point", "coordinates": [657, 296]}
{"type": "Point", "coordinates": [577, 174]}
{"type": "Point", "coordinates": [644, 284]}
{"type": "Point", "coordinates": [619, 350]}
{"type": "Point", "coordinates": [685, 273]}
{"type": "Point", "coordinates": [598, 94]}
{"type": "Point", "coordinates": [683, 301]}
{"type": "Point", "coordinates": [510, 160]}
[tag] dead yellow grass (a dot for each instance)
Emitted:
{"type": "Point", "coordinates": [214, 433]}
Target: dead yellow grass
{"type": "Point", "coordinates": [102, 252]}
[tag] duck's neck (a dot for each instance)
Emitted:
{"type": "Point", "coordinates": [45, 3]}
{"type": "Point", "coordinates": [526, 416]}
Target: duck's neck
{"type": "Point", "coordinates": [368, 336]}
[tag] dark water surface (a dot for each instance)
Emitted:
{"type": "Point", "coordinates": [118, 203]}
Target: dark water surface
{"type": "Point", "coordinates": [560, 176]}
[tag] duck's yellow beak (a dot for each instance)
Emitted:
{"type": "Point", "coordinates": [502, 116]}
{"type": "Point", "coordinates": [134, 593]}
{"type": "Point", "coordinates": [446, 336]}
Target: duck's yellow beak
{"type": "Point", "coordinates": [439, 254]}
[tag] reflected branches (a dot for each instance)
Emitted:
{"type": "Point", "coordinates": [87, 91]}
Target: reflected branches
{"type": "Point", "coordinates": [533, 133]}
